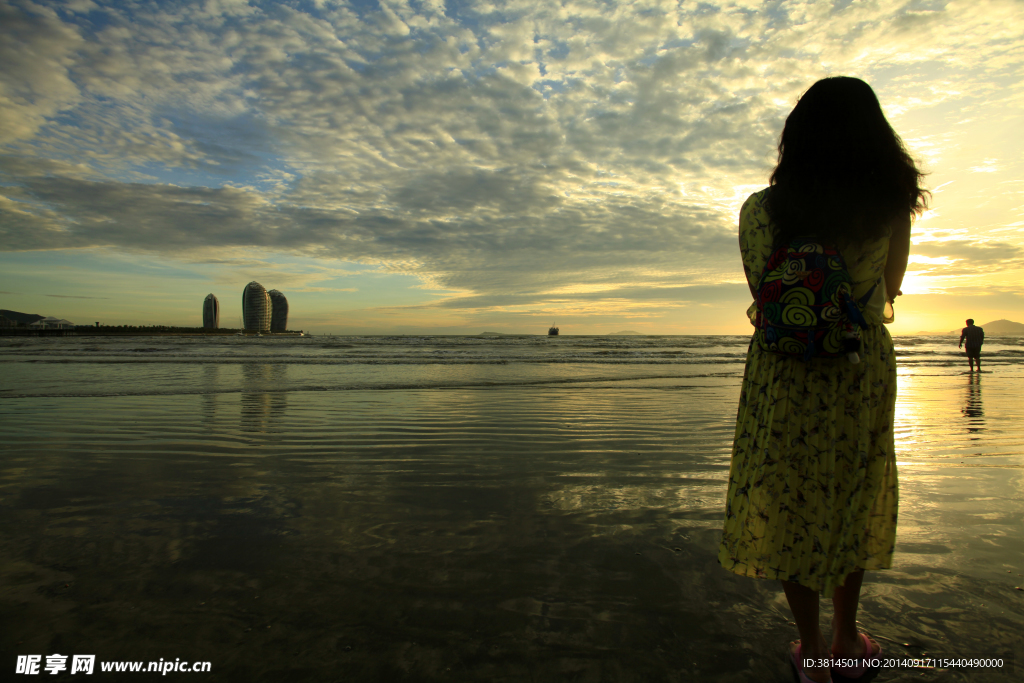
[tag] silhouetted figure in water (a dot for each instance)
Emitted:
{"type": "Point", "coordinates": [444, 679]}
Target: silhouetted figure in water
{"type": "Point", "coordinates": [975, 337]}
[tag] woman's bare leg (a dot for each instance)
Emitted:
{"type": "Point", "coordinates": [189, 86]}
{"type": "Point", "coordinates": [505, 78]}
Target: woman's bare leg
{"type": "Point", "coordinates": [846, 639]}
{"type": "Point", "coordinates": [803, 602]}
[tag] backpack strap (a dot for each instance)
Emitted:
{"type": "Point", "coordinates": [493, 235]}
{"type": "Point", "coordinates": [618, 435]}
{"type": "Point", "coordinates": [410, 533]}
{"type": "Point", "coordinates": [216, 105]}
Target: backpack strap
{"type": "Point", "coordinates": [854, 306]}
{"type": "Point", "coordinates": [867, 297]}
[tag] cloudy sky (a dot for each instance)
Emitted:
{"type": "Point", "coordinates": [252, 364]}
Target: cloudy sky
{"type": "Point", "coordinates": [459, 166]}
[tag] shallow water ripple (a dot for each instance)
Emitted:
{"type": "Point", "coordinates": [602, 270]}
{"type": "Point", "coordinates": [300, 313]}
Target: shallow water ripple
{"type": "Point", "coordinates": [475, 522]}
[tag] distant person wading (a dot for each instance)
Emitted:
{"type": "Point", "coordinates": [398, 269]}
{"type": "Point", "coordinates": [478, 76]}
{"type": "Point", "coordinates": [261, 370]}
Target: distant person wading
{"type": "Point", "coordinates": [975, 337]}
{"type": "Point", "coordinates": [812, 496]}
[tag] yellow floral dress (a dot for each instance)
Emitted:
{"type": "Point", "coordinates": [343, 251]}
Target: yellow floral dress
{"type": "Point", "coordinates": [812, 485]}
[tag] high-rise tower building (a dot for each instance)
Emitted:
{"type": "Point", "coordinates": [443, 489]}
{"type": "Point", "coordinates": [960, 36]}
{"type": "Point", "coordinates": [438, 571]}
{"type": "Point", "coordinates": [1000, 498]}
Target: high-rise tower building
{"type": "Point", "coordinates": [211, 312]}
{"type": "Point", "coordinates": [279, 311]}
{"type": "Point", "coordinates": [256, 308]}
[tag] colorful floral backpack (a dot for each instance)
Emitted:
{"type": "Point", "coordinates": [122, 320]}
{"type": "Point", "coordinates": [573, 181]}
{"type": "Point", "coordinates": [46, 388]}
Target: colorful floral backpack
{"type": "Point", "coordinates": [805, 304]}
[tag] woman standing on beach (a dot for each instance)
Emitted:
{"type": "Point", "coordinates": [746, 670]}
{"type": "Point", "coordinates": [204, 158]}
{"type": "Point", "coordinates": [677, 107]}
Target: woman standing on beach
{"type": "Point", "coordinates": [812, 487]}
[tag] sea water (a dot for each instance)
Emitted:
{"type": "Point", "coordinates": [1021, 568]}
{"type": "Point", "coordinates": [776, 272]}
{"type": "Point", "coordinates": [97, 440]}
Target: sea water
{"type": "Point", "coordinates": [463, 508]}
{"type": "Point", "coordinates": [178, 365]}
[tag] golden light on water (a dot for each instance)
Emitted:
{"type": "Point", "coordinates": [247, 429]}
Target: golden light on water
{"type": "Point", "coordinates": [907, 414]}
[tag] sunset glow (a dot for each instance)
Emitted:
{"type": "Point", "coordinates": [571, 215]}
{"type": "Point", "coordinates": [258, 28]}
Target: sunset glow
{"type": "Point", "coordinates": [460, 167]}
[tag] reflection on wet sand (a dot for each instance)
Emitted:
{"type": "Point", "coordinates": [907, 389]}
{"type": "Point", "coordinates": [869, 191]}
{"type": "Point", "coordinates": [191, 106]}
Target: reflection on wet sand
{"type": "Point", "coordinates": [958, 547]}
{"type": "Point", "coordinates": [562, 534]}
{"type": "Point", "coordinates": [973, 410]}
{"type": "Point", "coordinates": [262, 406]}
{"type": "Point", "coordinates": [211, 384]}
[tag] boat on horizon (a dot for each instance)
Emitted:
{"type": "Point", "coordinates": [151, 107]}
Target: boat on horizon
{"type": "Point", "coordinates": [553, 330]}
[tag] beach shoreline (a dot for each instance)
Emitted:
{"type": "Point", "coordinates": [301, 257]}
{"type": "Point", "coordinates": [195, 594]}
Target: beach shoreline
{"type": "Point", "coordinates": [448, 531]}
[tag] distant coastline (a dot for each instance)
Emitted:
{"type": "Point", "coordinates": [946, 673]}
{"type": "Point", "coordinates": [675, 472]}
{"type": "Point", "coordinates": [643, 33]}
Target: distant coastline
{"type": "Point", "coordinates": [1006, 328]}
{"type": "Point", "coordinates": [141, 332]}
{"type": "Point", "coordinates": [22, 321]}
{"type": "Point", "coordinates": [996, 328]}
{"type": "Point", "coordinates": [17, 324]}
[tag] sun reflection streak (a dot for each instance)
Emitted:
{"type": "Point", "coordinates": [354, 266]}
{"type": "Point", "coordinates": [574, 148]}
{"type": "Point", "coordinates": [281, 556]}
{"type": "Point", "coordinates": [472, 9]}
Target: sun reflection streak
{"type": "Point", "coordinates": [907, 417]}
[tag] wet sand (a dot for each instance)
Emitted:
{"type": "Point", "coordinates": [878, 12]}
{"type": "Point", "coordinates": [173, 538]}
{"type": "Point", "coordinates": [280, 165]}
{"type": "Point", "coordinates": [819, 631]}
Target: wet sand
{"type": "Point", "coordinates": [512, 534]}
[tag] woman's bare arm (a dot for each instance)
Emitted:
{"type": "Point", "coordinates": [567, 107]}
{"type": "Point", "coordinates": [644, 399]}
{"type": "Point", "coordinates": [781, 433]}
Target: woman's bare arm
{"type": "Point", "coordinates": [899, 252]}
{"type": "Point", "coordinates": [746, 271]}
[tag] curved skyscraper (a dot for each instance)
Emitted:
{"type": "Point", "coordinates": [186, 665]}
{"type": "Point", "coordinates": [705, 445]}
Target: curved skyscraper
{"type": "Point", "coordinates": [256, 308]}
{"type": "Point", "coordinates": [279, 311]}
{"type": "Point", "coordinates": [211, 312]}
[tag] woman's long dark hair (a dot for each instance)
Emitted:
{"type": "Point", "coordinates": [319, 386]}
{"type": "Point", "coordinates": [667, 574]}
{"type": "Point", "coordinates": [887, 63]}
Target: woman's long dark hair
{"type": "Point", "coordinates": [843, 173]}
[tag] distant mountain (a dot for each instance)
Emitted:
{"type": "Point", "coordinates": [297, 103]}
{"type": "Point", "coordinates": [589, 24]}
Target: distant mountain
{"type": "Point", "coordinates": [492, 334]}
{"type": "Point", "coordinates": [1000, 328]}
{"type": "Point", "coordinates": [23, 318]}
{"type": "Point", "coordinates": [1006, 328]}
{"type": "Point", "coordinates": [613, 334]}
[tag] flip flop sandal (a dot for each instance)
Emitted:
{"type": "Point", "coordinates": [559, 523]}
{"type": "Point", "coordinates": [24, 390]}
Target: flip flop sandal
{"type": "Point", "coordinates": [798, 666]}
{"type": "Point", "coordinates": [852, 673]}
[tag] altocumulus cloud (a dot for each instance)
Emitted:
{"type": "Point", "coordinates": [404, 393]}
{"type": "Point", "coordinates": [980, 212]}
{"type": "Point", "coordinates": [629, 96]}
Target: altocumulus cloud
{"type": "Point", "coordinates": [513, 152]}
